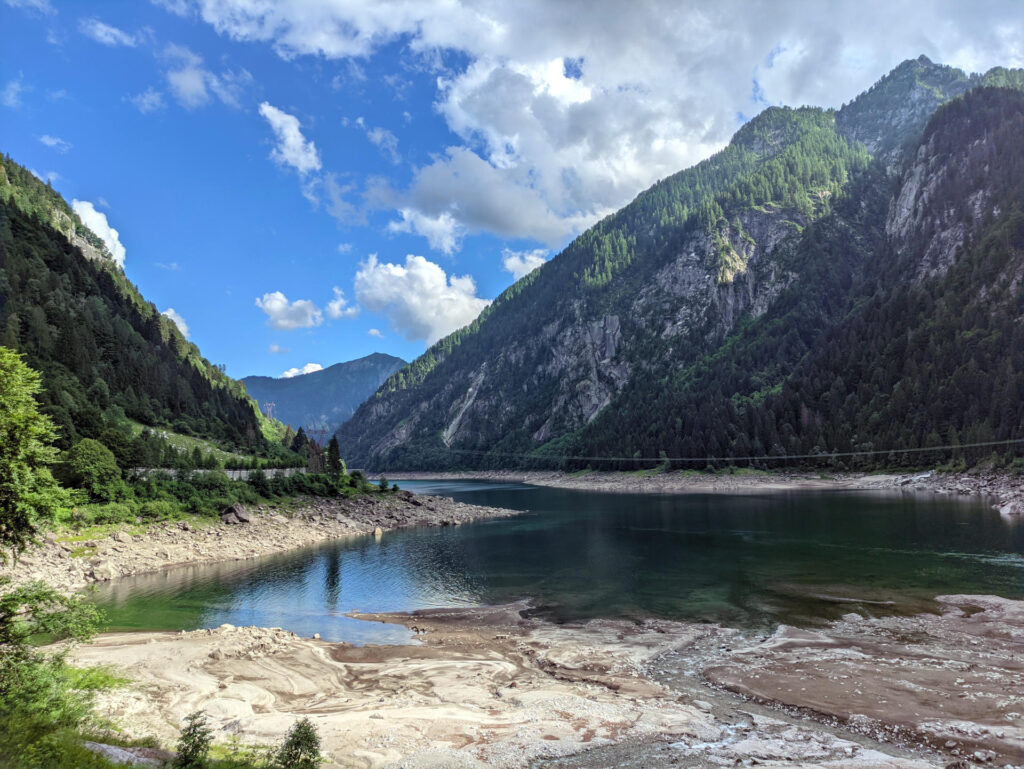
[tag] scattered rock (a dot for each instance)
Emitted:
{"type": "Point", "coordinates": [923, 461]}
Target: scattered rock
{"type": "Point", "coordinates": [104, 571]}
{"type": "Point", "coordinates": [130, 756]}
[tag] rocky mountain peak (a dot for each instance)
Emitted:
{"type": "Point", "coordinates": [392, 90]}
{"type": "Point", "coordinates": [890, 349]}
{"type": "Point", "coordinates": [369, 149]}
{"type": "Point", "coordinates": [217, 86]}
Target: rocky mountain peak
{"type": "Point", "coordinates": [894, 110]}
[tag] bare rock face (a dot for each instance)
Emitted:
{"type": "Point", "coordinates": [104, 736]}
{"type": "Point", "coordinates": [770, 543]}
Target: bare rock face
{"type": "Point", "coordinates": [919, 214]}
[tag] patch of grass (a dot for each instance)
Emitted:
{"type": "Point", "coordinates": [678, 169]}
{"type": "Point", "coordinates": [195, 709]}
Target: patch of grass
{"type": "Point", "coordinates": [650, 471]}
{"type": "Point", "coordinates": [185, 444]}
{"type": "Point", "coordinates": [95, 679]}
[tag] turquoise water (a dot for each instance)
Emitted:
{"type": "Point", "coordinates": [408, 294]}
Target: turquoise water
{"type": "Point", "coordinates": [749, 560]}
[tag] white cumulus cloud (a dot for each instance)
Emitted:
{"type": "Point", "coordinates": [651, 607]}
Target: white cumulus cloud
{"type": "Point", "coordinates": [276, 349]}
{"type": "Point", "coordinates": [522, 263]}
{"type": "Point", "coordinates": [338, 307]}
{"type": "Point", "coordinates": [292, 147]}
{"type": "Point", "coordinates": [282, 314]}
{"type": "Point", "coordinates": [97, 222]}
{"type": "Point", "coordinates": [383, 139]}
{"type": "Point", "coordinates": [179, 321]}
{"type": "Point", "coordinates": [564, 111]}
{"type": "Point", "coordinates": [10, 96]}
{"type": "Point", "coordinates": [375, 332]}
{"type": "Point", "coordinates": [309, 368]}
{"type": "Point", "coordinates": [443, 232]}
{"type": "Point", "coordinates": [419, 298]}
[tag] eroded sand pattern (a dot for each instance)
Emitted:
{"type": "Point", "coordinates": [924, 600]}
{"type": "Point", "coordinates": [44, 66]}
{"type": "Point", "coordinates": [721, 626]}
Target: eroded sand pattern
{"type": "Point", "coordinates": [494, 687]}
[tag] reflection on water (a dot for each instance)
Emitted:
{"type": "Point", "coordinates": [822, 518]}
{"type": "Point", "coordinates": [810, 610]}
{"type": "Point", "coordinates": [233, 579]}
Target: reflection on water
{"type": "Point", "coordinates": [748, 560]}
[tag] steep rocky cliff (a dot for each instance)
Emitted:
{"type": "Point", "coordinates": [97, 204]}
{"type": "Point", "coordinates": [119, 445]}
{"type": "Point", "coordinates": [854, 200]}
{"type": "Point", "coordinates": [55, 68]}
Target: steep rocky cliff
{"type": "Point", "coordinates": [770, 239]}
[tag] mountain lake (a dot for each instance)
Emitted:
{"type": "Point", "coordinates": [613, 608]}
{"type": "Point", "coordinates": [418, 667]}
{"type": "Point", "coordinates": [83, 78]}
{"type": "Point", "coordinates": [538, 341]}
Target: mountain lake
{"type": "Point", "coordinates": [749, 560]}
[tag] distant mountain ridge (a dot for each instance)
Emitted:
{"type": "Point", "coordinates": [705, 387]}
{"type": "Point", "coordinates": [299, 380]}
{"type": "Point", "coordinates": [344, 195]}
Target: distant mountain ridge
{"type": "Point", "coordinates": [711, 316]}
{"type": "Point", "coordinates": [324, 398]}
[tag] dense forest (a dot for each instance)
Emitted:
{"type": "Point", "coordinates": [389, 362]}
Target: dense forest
{"type": "Point", "coordinates": [105, 352]}
{"type": "Point", "coordinates": [817, 331]}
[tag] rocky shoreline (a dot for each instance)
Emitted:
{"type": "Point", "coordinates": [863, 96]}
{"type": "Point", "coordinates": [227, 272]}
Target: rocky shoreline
{"type": "Point", "coordinates": [495, 687]}
{"type": "Point", "coordinates": [1006, 490]}
{"type": "Point", "coordinates": [69, 563]}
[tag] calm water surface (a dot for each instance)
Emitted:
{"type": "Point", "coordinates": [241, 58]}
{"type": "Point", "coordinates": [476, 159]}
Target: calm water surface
{"type": "Point", "coordinates": [750, 560]}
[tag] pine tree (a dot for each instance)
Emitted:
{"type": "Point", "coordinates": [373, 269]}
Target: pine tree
{"type": "Point", "coordinates": [334, 464]}
{"type": "Point", "coordinates": [301, 748]}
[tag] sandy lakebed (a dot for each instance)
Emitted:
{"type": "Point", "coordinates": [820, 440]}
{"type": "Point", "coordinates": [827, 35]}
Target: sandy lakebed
{"type": "Point", "coordinates": [496, 686]}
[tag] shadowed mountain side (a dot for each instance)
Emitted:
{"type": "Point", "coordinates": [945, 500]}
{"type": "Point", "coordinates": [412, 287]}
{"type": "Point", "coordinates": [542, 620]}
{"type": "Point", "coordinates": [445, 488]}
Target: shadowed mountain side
{"type": "Point", "coordinates": [324, 398]}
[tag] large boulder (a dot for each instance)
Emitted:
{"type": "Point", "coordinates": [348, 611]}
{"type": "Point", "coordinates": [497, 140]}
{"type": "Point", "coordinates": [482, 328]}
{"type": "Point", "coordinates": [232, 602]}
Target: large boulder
{"type": "Point", "coordinates": [104, 571]}
{"type": "Point", "coordinates": [235, 513]}
{"type": "Point", "coordinates": [1012, 508]}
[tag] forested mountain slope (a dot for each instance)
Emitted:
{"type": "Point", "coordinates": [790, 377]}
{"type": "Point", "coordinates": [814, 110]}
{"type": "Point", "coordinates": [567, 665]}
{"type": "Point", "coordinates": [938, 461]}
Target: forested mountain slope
{"type": "Point", "coordinates": [712, 315]}
{"type": "Point", "coordinates": [906, 333]}
{"type": "Point", "coordinates": [105, 353]}
{"type": "Point", "coordinates": [324, 398]}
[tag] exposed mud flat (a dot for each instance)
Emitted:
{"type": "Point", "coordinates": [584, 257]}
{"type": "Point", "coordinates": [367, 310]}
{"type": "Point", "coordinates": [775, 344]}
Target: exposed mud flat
{"type": "Point", "coordinates": [69, 566]}
{"type": "Point", "coordinates": [497, 687]}
{"type": "Point", "coordinates": [953, 681]}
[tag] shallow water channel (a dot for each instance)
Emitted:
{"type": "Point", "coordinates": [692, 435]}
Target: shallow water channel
{"type": "Point", "coordinates": [744, 560]}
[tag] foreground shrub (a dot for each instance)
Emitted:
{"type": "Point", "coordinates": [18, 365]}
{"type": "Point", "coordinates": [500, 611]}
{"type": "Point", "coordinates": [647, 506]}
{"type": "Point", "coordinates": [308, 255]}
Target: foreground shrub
{"type": "Point", "coordinates": [194, 743]}
{"type": "Point", "coordinates": [42, 699]}
{"type": "Point", "coordinates": [301, 748]}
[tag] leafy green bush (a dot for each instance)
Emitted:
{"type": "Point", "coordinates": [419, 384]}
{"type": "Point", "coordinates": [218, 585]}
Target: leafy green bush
{"type": "Point", "coordinates": [91, 466]}
{"type": "Point", "coordinates": [114, 512]}
{"type": "Point", "coordinates": [158, 509]}
{"type": "Point", "coordinates": [42, 699]}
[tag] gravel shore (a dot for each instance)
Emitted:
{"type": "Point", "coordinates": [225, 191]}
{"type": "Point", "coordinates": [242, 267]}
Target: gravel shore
{"type": "Point", "coordinates": [69, 563]}
{"type": "Point", "coordinates": [1005, 490]}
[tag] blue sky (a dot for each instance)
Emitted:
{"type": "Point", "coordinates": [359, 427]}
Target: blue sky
{"type": "Point", "coordinates": [310, 181]}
